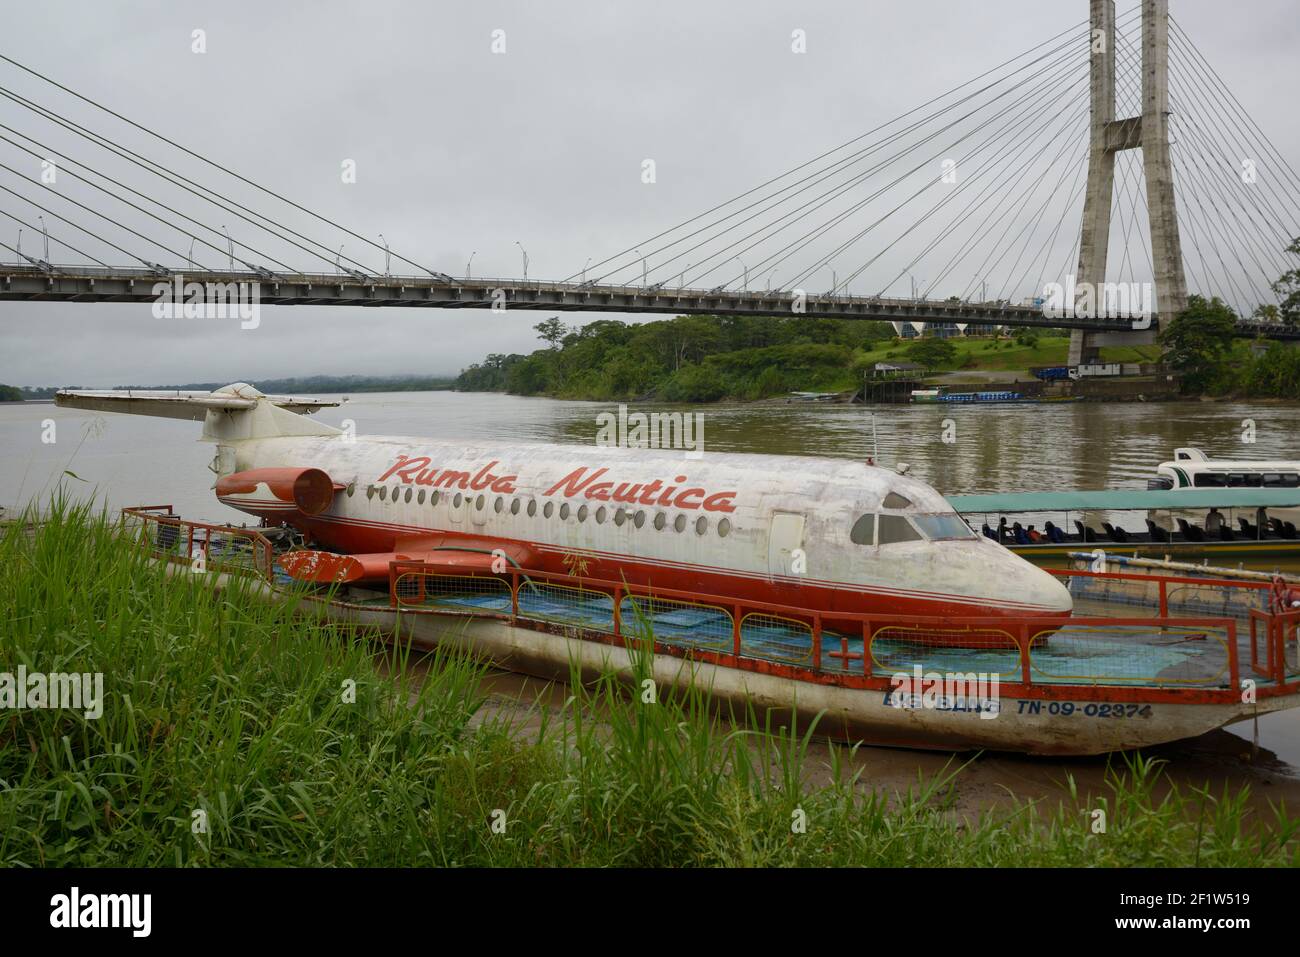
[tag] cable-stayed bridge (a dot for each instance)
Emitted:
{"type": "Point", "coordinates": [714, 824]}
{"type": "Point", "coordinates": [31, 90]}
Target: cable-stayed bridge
{"type": "Point", "coordinates": [1111, 156]}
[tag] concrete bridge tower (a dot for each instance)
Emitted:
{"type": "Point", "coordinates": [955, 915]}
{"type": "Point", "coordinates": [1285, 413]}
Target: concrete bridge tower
{"type": "Point", "coordinates": [1109, 136]}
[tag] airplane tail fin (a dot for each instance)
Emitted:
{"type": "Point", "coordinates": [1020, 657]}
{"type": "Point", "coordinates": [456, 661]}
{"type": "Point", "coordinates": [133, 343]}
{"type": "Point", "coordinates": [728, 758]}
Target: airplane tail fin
{"type": "Point", "coordinates": [236, 411]}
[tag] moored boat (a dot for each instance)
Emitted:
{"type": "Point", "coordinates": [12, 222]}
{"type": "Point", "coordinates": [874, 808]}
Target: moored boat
{"type": "Point", "coordinates": [1096, 683]}
{"type": "Point", "coordinates": [1053, 524]}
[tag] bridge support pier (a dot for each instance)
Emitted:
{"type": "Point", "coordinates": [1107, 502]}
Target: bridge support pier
{"type": "Point", "coordinates": [1108, 137]}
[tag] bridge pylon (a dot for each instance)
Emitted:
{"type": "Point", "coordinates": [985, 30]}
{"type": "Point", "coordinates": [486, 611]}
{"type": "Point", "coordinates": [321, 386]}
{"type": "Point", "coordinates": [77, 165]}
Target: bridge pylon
{"type": "Point", "coordinates": [1108, 137]}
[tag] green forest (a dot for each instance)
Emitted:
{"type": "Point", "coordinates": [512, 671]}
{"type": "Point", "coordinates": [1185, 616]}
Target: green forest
{"type": "Point", "coordinates": [709, 358]}
{"type": "Point", "coordinates": [685, 359]}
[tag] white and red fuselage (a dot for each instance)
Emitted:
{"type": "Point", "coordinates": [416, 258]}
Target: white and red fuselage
{"type": "Point", "coordinates": [775, 529]}
{"type": "Point", "coordinates": [819, 535]}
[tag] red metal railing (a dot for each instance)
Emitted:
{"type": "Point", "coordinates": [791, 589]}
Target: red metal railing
{"type": "Point", "coordinates": [198, 538]}
{"type": "Point", "coordinates": [1023, 633]}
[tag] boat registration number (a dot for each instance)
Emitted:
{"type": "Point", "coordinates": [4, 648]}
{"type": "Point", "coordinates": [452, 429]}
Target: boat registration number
{"type": "Point", "coordinates": [1090, 709]}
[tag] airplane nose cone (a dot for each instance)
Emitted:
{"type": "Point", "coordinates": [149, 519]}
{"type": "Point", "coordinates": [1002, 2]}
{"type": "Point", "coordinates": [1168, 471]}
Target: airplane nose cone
{"type": "Point", "coordinates": [1051, 592]}
{"type": "Point", "coordinates": [1024, 583]}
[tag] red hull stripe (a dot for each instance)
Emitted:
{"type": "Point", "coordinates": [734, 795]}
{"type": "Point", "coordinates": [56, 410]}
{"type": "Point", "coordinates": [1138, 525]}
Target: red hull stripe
{"type": "Point", "coordinates": [879, 590]}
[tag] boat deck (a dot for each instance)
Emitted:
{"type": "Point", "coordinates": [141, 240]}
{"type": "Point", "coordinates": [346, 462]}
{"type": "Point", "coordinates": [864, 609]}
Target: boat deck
{"type": "Point", "coordinates": [1195, 631]}
{"type": "Point", "coordinates": [1156, 654]}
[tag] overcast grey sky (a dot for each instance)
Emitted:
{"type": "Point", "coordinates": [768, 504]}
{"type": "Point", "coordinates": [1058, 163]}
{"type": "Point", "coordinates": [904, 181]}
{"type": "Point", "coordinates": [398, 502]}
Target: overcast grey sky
{"type": "Point", "coordinates": [461, 151]}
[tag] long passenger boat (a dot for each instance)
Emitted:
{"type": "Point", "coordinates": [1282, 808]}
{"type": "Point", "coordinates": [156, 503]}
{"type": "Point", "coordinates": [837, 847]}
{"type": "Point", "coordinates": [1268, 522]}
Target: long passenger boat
{"type": "Point", "coordinates": [1153, 523]}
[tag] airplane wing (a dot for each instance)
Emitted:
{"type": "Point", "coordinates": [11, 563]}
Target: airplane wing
{"type": "Point", "coordinates": [180, 403]}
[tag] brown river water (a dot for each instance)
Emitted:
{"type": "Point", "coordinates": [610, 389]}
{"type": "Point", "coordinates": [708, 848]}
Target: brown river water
{"type": "Point", "coordinates": [130, 460]}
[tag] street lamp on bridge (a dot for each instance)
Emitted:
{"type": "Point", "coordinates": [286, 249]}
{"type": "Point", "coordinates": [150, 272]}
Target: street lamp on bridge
{"type": "Point", "coordinates": [745, 287]}
{"type": "Point", "coordinates": [525, 255]}
{"type": "Point", "coordinates": [469, 264]}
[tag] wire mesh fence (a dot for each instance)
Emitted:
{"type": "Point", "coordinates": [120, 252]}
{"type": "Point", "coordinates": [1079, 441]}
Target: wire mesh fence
{"type": "Point", "coordinates": [776, 638]}
{"type": "Point", "coordinates": [566, 604]}
{"type": "Point", "coordinates": [685, 623]}
{"type": "Point", "coordinates": [223, 549]}
{"type": "Point", "coordinates": [469, 593]}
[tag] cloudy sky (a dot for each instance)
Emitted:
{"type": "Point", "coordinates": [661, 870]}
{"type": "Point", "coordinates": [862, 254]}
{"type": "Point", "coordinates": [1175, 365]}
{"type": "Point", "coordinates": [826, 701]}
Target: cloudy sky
{"type": "Point", "coordinates": [459, 151]}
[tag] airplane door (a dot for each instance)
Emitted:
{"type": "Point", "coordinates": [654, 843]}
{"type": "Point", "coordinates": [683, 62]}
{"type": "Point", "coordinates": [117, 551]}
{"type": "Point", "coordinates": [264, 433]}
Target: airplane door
{"type": "Point", "coordinates": [783, 540]}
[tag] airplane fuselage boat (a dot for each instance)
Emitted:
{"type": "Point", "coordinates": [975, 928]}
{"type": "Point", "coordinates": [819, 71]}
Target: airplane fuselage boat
{"type": "Point", "coordinates": [828, 588]}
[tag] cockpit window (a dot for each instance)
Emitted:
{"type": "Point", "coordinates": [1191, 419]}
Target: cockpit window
{"type": "Point", "coordinates": [864, 531]}
{"type": "Point", "coordinates": [943, 527]}
{"type": "Point", "coordinates": [895, 528]}
{"type": "Point", "coordinates": [894, 500]}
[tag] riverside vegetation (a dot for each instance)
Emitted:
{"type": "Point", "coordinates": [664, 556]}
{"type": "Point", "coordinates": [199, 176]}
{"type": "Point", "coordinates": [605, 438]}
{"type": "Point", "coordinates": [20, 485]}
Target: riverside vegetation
{"type": "Point", "coordinates": [710, 358]}
{"type": "Point", "coordinates": [229, 704]}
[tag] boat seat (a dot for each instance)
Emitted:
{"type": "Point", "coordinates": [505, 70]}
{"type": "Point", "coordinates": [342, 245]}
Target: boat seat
{"type": "Point", "coordinates": [1191, 533]}
{"type": "Point", "coordinates": [1226, 534]}
{"type": "Point", "coordinates": [1086, 534]}
{"type": "Point", "coordinates": [1282, 529]}
{"type": "Point", "coordinates": [1116, 534]}
{"type": "Point", "coordinates": [1158, 534]}
{"type": "Point", "coordinates": [1247, 529]}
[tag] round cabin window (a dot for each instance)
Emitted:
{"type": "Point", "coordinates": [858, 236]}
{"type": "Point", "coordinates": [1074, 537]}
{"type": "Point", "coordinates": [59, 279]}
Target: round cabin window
{"type": "Point", "coordinates": [701, 525]}
{"type": "Point", "coordinates": [679, 523]}
{"type": "Point", "coordinates": [600, 515]}
{"type": "Point", "coordinates": [660, 520]}
{"type": "Point", "coordinates": [724, 527]}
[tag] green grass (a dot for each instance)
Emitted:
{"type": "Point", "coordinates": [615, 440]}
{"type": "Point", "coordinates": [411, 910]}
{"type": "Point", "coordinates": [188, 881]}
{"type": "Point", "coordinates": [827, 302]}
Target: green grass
{"type": "Point", "coordinates": [994, 355]}
{"type": "Point", "coordinates": [225, 703]}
